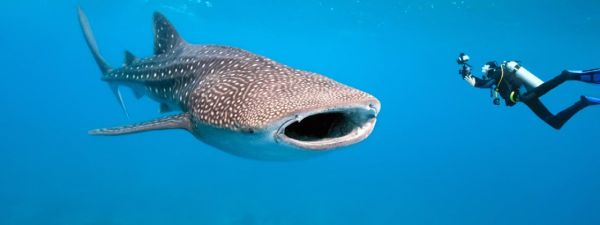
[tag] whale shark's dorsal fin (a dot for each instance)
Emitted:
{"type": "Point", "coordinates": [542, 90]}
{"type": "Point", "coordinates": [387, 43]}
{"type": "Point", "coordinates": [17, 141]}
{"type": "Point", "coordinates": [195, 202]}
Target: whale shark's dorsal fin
{"type": "Point", "coordinates": [166, 38]}
{"type": "Point", "coordinates": [180, 121]}
{"type": "Point", "coordinates": [129, 58]}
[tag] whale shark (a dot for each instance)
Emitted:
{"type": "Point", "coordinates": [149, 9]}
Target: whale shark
{"type": "Point", "coordinates": [237, 101]}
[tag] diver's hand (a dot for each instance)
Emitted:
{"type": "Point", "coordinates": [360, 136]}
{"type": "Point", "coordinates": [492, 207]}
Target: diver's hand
{"type": "Point", "coordinates": [469, 79]}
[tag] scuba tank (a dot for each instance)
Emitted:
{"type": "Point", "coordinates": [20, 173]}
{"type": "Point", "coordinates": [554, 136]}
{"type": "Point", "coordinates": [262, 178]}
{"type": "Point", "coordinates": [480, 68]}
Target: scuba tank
{"type": "Point", "coordinates": [529, 80]}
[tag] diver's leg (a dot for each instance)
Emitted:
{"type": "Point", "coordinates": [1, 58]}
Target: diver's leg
{"type": "Point", "coordinates": [558, 120]}
{"type": "Point", "coordinates": [588, 76]}
{"type": "Point", "coordinates": [541, 111]}
{"type": "Point", "coordinates": [546, 86]}
{"type": "Point", "coordinates": [564, 116]}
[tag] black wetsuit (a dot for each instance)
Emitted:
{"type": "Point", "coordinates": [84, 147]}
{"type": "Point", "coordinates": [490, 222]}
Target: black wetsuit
{"type": "Point", "coordinates": [504, 82]}
{"type": "Point", "coordinates": [510, 85]}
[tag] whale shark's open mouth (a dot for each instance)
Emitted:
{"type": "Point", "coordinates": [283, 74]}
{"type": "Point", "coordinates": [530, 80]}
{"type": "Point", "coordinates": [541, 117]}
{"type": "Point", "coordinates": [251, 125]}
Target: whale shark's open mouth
{"type": "Point", "coordinates": [330, 128]}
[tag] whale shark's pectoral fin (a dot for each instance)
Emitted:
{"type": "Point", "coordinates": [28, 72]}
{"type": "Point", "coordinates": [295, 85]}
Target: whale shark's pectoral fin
{"type": "Point", "coordinates": [180, 121]}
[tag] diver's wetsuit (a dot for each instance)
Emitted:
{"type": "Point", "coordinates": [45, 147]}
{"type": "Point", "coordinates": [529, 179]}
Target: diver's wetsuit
{"type": "Point", "coordinates": [509, 86]}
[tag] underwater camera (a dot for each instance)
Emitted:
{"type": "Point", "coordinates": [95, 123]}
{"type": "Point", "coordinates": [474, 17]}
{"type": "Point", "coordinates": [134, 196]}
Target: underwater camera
{"type": "Point", "coordinates": [462, 59]}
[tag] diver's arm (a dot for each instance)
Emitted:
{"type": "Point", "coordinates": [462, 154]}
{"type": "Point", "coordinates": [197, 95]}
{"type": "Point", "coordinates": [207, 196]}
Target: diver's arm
{"type": "Point", "coordinates": [465, 72]}
{"type": "Point", "coordinates": [478, 82]}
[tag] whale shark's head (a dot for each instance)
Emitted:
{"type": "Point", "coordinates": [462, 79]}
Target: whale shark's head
{"type": "Point", "coordinates": [286, 114]}
{"type": "Point", "coordinates": [328, 127]}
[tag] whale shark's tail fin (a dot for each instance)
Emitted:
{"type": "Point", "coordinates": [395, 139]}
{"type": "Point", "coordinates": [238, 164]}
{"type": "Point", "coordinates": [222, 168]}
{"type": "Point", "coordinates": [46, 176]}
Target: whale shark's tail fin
{"type": "Point", "coordinates": [91, 41]}
{"type": "Point", "coordinates": [104, 67]}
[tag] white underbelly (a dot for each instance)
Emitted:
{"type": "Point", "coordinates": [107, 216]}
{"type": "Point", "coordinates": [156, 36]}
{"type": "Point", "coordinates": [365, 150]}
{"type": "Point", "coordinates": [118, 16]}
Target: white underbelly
{"type": "Point", "coordinates": [257, 145]}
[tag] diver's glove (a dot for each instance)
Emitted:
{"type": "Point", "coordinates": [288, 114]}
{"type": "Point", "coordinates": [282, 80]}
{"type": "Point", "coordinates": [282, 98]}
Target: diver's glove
{"type": "Point", "coordinates": [469, 79]}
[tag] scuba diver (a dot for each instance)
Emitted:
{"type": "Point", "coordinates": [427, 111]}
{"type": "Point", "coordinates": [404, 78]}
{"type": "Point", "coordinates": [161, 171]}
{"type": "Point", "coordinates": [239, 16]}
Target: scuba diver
{"type": "Point", "coordinates": [507, 78]}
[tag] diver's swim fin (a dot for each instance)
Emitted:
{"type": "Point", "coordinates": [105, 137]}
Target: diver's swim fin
{"type": "Point", "coordinates": [588, 76]}
{"type": "Point", "coordinates": [590, 100]}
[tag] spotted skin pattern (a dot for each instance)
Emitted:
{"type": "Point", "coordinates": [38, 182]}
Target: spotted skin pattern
{"type": "Point", "coordinates": [232, 99]}
{"type": "Point", "coordinates": [228, 87]}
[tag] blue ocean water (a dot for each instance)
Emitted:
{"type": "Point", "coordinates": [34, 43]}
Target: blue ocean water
{"type": "Point", "coordinates": [441, 152]}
